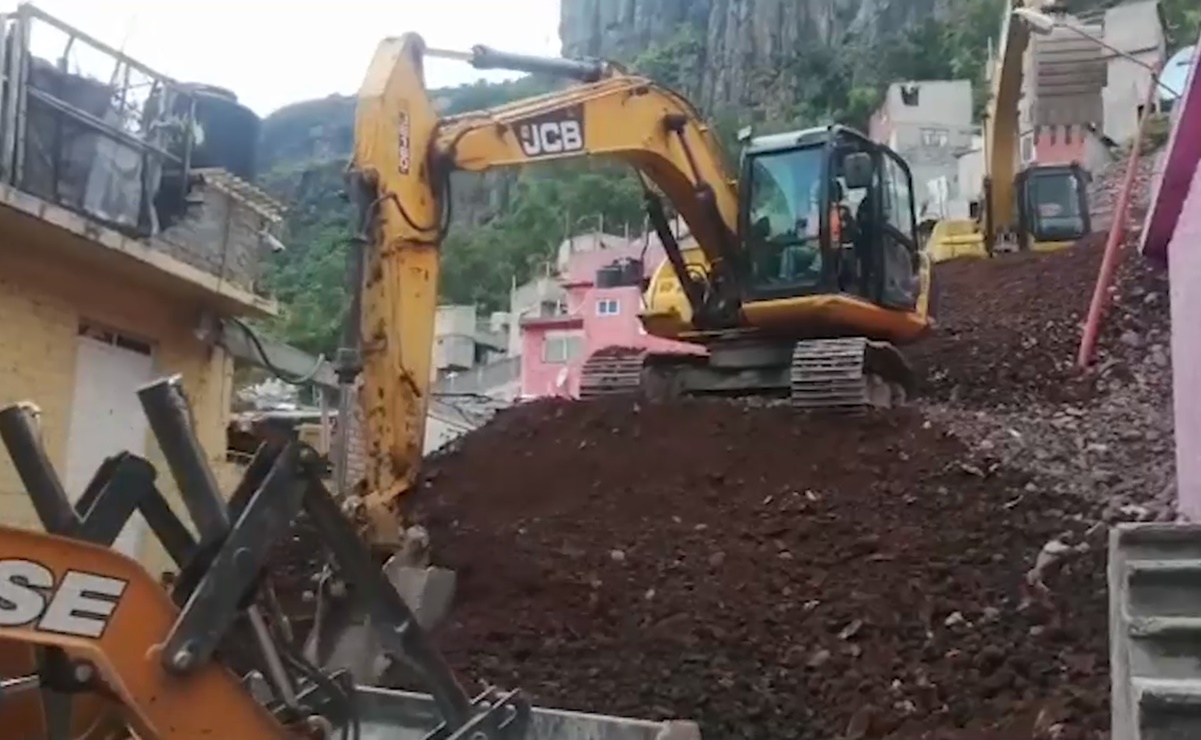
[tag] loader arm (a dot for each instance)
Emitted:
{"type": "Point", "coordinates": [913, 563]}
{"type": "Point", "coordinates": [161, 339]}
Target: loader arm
{"type": "Point", "coordinates": [403, 156]}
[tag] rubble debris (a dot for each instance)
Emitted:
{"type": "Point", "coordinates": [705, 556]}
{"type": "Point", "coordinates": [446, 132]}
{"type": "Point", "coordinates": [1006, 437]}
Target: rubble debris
{"type": "Point", "coordinates": [1008, 328]}
{"type": "Point", "coordinates": [903, 589]}
{"type": "Point", "coordinates": [1001, 375]}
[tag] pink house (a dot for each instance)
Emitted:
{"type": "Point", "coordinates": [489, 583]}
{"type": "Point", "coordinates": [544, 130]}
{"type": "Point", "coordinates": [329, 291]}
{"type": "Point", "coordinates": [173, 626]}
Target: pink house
{"type": "Point", "coordinates": [1065, 144]}
{"type": "Point", "coordinates": [1172, 234]}
{"type": "Point", "coordinates": [594, 315]}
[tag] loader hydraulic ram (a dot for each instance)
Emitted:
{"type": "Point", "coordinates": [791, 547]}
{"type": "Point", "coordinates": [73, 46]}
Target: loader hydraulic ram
{"type": "Point", "coordinates": [92, 646]}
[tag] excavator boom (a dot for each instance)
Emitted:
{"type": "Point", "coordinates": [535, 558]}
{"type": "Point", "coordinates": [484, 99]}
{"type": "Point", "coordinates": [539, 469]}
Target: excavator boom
{"type": "Point", "coordinates": [404, 154]}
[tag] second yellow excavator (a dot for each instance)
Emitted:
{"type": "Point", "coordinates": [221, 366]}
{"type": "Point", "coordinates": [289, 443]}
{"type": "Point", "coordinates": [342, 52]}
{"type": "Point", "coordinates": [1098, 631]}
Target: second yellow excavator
{"type": "Point", "coordinates": [1036, 207]}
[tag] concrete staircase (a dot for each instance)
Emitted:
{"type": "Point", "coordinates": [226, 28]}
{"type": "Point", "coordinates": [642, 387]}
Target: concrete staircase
{"type": "Point", "coordinates": [1155, 631]}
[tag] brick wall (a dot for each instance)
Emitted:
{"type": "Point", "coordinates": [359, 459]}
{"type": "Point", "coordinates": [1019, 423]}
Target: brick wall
{"type": "Point", "coordinates": [42, 303]}
{"type": "Point", "coordinates": [219, 236]}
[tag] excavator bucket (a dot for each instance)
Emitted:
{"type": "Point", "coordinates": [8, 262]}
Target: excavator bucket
{"type": "Point", "coordinates": [399, 715]}
{"type": "Point", "coordinates": [343, 636]}
{"type": "Point", "coordinates": [426, 589]}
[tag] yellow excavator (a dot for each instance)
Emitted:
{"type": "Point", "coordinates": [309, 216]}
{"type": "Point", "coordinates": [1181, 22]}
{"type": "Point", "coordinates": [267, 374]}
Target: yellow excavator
{"type": "Point", "coordinates": [805, 276]}
{"type": "Point", "coordinates": [1038, 207]}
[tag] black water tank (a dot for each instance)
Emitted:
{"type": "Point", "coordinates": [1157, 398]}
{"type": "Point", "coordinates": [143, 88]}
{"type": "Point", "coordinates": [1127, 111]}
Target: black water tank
{"type": "Point", "coordinates": [631, 272]}
{"type": "Point", "coordinates": [609, 276]}
{"type": "Point", "coordinates": [231, 132]}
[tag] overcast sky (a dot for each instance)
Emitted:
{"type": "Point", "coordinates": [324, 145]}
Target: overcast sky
{"type": "Point", "coordinates": [275, 52]}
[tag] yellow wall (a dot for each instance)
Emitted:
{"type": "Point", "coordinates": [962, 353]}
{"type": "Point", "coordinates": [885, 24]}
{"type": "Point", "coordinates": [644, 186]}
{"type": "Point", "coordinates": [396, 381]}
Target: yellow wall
{"type": "Point", "coordinates": [41, 303]}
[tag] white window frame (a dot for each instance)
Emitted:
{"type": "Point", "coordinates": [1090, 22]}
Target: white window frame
{"type": "Point", "coordinates": [940, 137]}
{"type": "Point", "coordinates": [608, 307]}
{"type": "Point", "coordinates": [562, 347]}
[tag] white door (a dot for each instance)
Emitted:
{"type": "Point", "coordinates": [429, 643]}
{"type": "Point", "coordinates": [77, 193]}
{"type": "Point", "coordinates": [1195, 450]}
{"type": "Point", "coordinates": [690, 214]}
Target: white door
{"type": "Point", "coordinates": [106, 417]}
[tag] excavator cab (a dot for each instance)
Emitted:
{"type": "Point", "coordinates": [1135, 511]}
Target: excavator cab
{"type": "Point", "coordinates": [828, 211]}
{"type": "Point", "coordinates": [1052, 206]}
{"type": "Point", "coordinates": [827, 276]}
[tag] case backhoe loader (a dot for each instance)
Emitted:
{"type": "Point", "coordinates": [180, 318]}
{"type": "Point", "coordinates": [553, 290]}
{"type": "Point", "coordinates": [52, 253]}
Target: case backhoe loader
{"type": "Point", "coordinates": [93, 648]}
{"type": "Point", "coordinates": [1036, 207]}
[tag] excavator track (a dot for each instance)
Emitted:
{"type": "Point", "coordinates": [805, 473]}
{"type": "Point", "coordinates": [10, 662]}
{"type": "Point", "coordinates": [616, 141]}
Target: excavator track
{"type": "Point", "coordinates": [845, 374]}
{"type": "Point", "coordinates": [848, 373]}
{"type": "Point", "coordinates": [612, 372]}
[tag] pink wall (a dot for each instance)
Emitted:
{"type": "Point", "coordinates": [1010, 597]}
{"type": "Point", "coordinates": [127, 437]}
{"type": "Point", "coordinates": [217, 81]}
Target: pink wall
{"type": "Point", "coordinates": [879, 128]}
{"type": "Point", "coordinates": [540, 378]}
{"type": "Point", "coordinates": [1180, 162]}
{"type": "Point", "coordinates": [1184, 259]}
{"type": "Point", "coordinates": [1054, 147]}
{"type": "Point", "coordinates": [622, 329]}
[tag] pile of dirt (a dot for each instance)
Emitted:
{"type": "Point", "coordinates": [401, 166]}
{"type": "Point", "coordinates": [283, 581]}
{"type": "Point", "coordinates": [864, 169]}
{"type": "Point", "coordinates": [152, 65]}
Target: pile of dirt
{"type": "Point", "coordinates": [771, 574]}
{"type": "Point", "coordinates": [766, 573]}
{"type": "Point", "coordinates": [1008, 327]}
{"type": "Point", "coordinates": [1000, 370]}
{"type": "Point", "coordinates": [1105, 434]}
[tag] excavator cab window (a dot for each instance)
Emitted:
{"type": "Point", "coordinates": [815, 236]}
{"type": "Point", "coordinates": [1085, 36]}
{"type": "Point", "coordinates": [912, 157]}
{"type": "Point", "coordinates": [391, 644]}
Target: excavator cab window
{"type": "Point", "coordinates": [784, 220]}
{"type": "Point", "coordinates": [898, 243]}
{"type": "Point", "coordinates": [831, 214]}
{"type": "Point", "coordinates": [1052, 203]}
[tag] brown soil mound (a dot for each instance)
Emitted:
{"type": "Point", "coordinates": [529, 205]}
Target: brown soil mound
{"type": "Point", "coordinates": [768, 574]}
{"type": "Point", "coordinates": [1008, 328]}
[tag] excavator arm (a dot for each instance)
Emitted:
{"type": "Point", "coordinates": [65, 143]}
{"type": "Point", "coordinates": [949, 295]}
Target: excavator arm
{"type": "Point", "coordinates": [1001, 132]}
{"type": "Point", "coordinates": [404, 155]}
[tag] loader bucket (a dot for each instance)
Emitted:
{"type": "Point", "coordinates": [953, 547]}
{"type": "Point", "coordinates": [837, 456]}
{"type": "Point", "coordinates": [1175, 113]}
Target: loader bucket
{"type": "Point", "coordinates": [385, 714]}
{"type": "Point", "coordinates": [343, 637]}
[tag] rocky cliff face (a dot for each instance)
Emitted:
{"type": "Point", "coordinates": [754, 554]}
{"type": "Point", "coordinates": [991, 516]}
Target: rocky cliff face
{"type": "Point", "coordinates": [746, 49]}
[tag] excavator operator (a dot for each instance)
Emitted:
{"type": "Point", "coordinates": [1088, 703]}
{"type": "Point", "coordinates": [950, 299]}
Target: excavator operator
{"type": "Point", "coordinates": [844, 234]}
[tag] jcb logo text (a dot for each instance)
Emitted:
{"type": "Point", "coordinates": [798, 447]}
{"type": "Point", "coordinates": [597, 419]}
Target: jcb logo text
{"type": "Point", "coordinates": [542, 138]}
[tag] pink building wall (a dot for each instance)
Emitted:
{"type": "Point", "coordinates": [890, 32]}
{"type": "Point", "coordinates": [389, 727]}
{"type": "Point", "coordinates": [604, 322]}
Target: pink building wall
{"type": "Point", "coordinates": [1184, 260]}
{"type": "Point", "coordinates": [1172, 234]}
{"type": "Point", "coordinates": [1179, 163]}
{"type": "Point", "coordinates": [1060, 144]}
{"type": "Point", "coordinates": [597, 331]}
{"type": "Point", "coordinates": [880, 127]}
